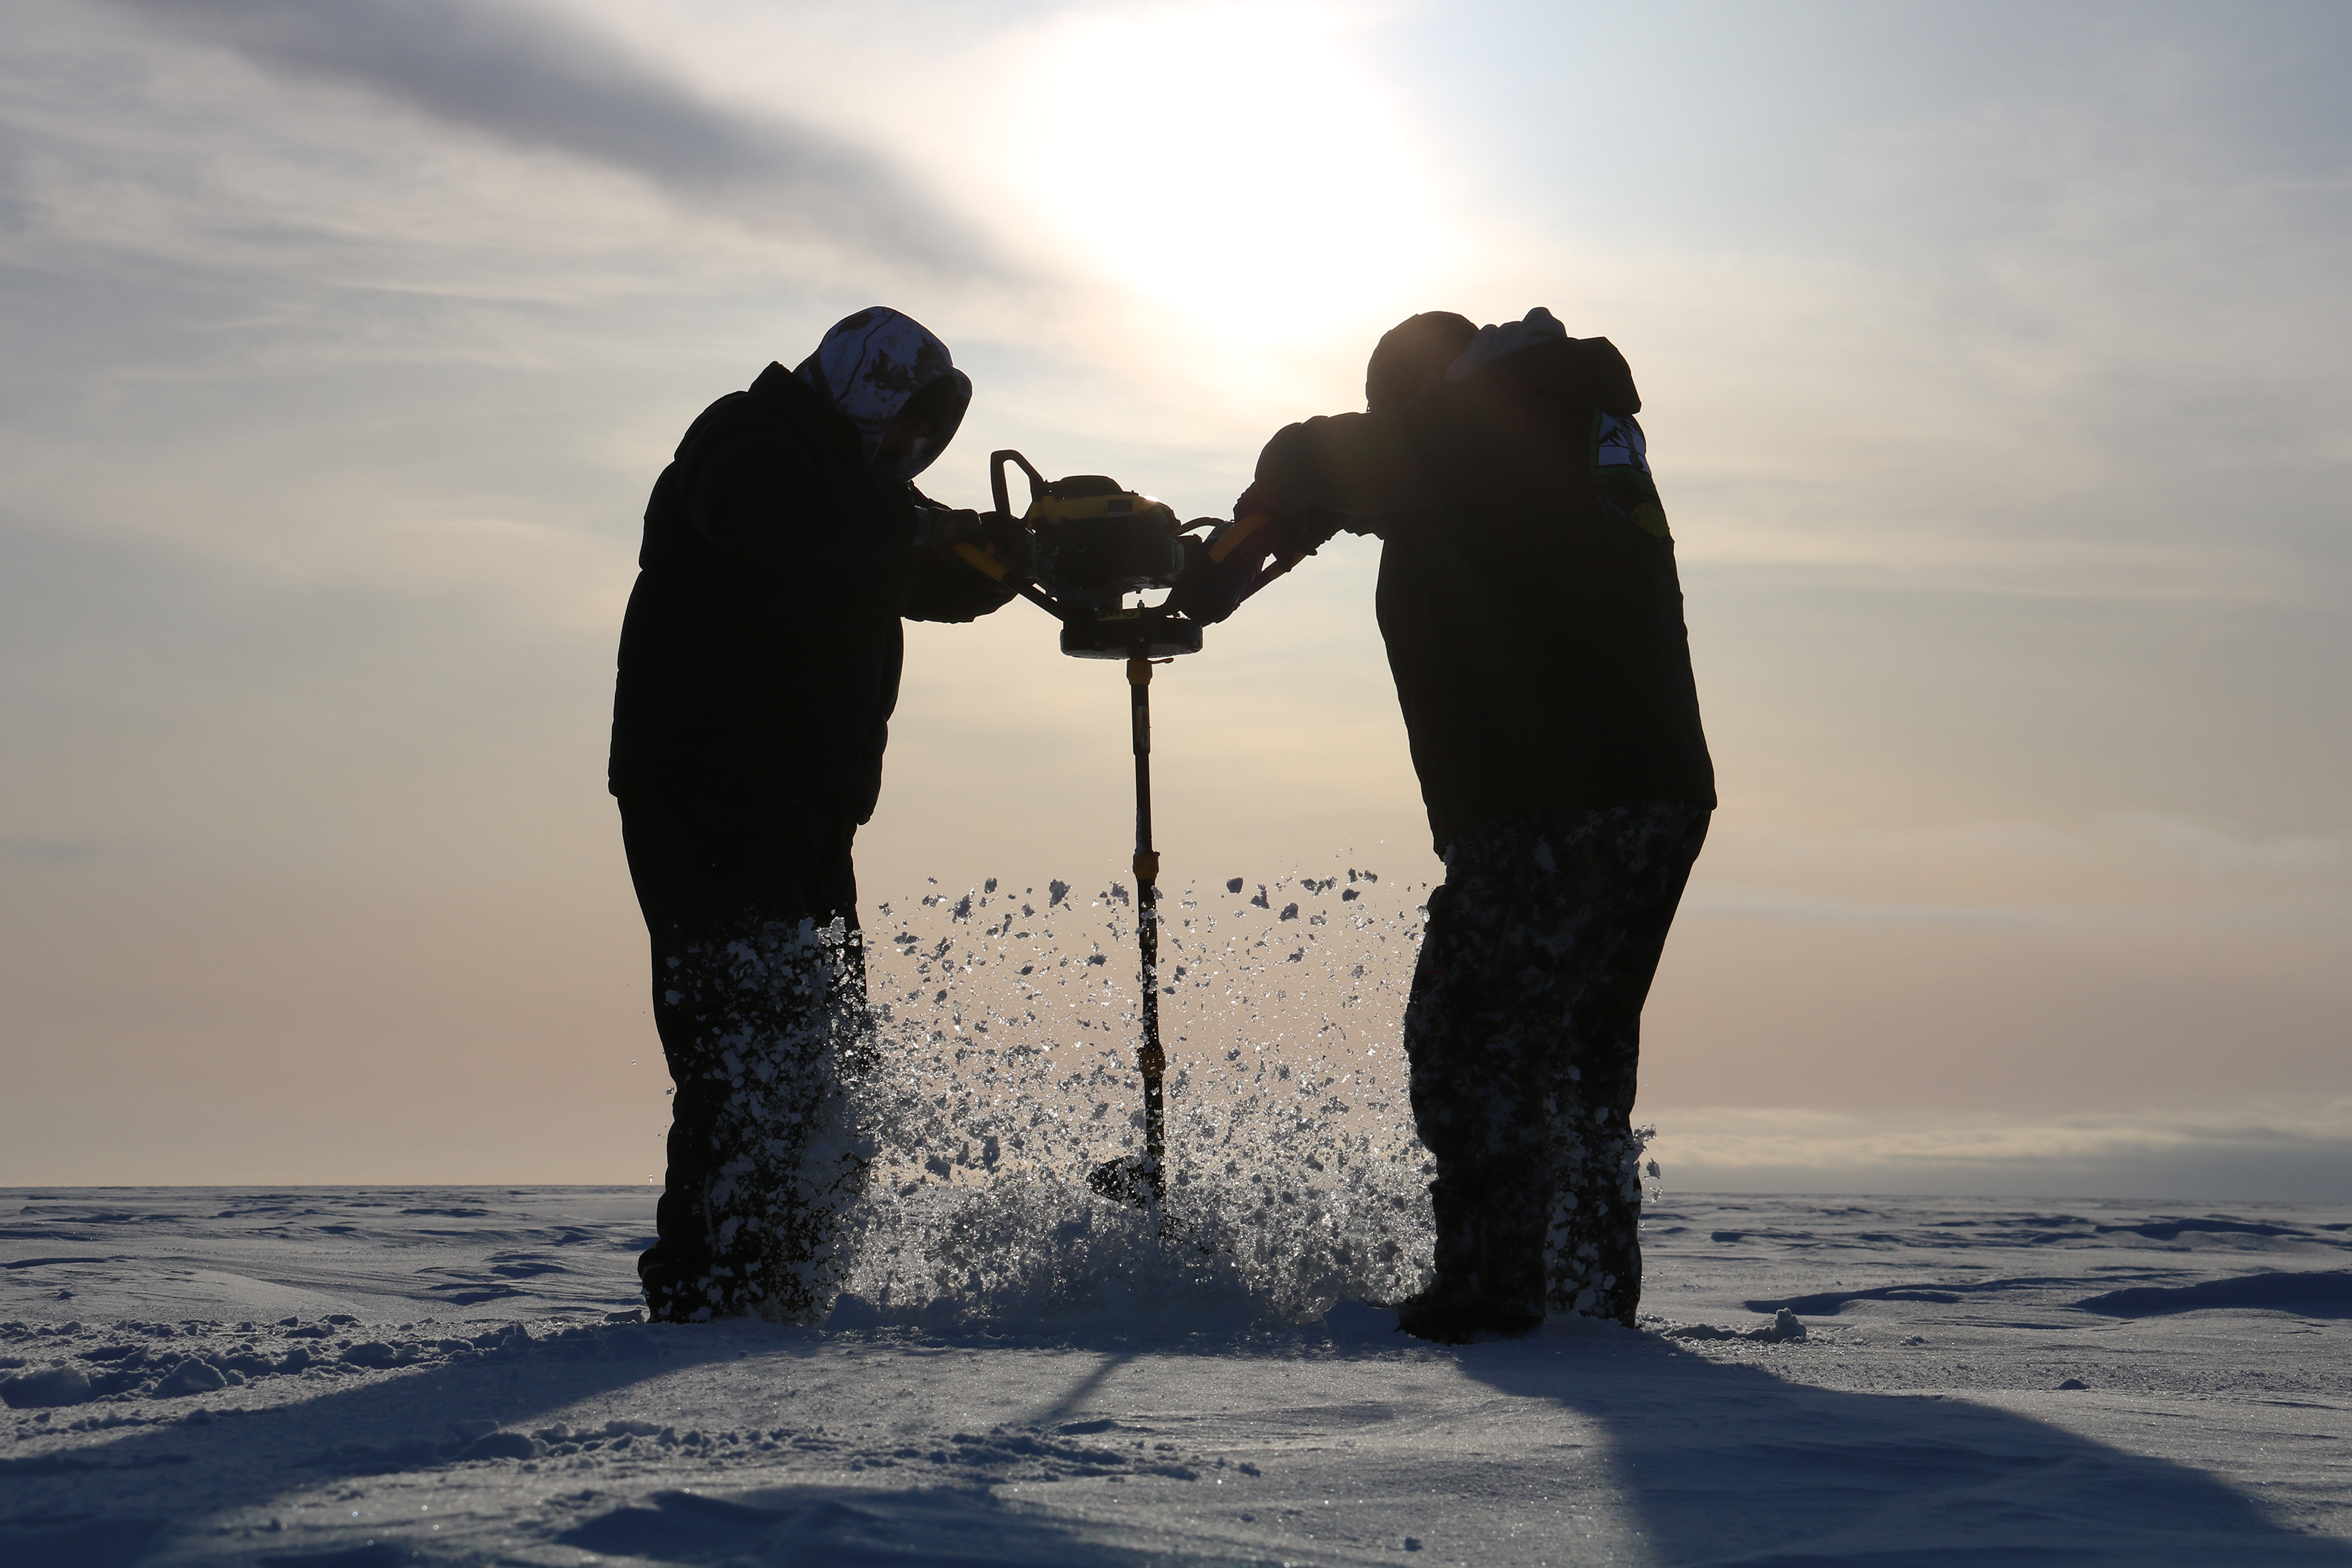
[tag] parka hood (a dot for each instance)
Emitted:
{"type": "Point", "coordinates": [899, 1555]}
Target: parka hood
{"type": "Point", "coordinates": [871, 365]}
{"type": "Point", "coordinates": [1537, 354]}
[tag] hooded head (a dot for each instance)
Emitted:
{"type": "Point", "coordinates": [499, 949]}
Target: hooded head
{"type": "Point", "coordinates": [879, 366]}
{"type": "Point", "coordinates": [1491, 343]}
{"type": "Point", "coordinates": [1413, 355]}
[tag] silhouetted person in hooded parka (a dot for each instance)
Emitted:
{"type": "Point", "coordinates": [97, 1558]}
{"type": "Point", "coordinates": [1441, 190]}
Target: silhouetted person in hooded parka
{"type": "Point", "coordinates": [759, 666]}
{"type": "Point", "coordinates": [1534, 622]}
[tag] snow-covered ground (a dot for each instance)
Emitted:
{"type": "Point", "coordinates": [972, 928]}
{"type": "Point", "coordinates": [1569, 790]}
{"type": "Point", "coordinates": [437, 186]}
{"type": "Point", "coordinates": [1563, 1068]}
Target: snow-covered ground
{"type": "Point", "coordinates": [356, 1377]}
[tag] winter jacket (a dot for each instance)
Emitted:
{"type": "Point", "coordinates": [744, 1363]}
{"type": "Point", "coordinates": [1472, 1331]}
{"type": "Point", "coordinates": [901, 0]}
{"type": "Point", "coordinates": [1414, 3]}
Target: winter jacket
{"type": "Point", "coordinates": [1528, 590]}
{"type": "Point", "coordinates": [762, 649]}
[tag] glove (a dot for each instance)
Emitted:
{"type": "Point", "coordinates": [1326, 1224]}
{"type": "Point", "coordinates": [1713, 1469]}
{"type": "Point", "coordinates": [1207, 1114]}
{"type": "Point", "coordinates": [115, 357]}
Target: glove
{"type": "Point", "coordinates": [942, 528]}
{"type": "Point", "coordinates": [1207, 591]}
{"type": "Point", "coordinates": [1304, 531]}
{"type": "Point", "coordinates": [1004, 537]}
{"type": "Point", "coordinates": [1259, 501]}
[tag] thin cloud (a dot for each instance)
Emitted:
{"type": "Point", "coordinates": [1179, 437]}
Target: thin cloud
{"type": "Point", "coordinates": [2298, 917]}
{"type": "Point", "coordinates": [48, 851]}
{"type": "Point", "coordinates": [2255, 1150]}
{"type": "Point", "coordinates": [1734, 901]}
{"type": "Point", "coordinates": [539, 82]}
{"type": "Point", "coordinates": [2221, 855]}
{"type": "Point", "coordinates": [1719, 1135]}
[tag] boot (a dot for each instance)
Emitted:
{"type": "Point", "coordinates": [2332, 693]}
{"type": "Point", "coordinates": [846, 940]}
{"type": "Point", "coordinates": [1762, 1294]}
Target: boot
{"type": "Point", "coordinates": [1489, 1261]}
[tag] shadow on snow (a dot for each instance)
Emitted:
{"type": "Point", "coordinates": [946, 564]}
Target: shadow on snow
{"type": "Point", "coordinates": [1719, 1463]}
{"type": "Point", "coordinates": [1735, 1464]}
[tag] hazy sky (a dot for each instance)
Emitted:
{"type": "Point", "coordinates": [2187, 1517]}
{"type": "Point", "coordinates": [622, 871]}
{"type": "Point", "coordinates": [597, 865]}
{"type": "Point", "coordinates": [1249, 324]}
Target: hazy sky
{"type": "Point", "coordinates": [1995, 365]}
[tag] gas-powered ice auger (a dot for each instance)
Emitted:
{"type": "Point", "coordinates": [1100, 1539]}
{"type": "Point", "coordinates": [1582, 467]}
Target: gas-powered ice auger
{"type": "Point", "coordinates": [1083, 546]}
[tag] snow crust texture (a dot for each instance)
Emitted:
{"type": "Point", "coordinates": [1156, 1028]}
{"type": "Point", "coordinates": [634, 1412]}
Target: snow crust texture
{"type": "Point", "coordinates": [364, 1376]}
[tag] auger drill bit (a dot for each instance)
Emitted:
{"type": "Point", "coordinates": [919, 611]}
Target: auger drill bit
{"type": "Point", "coordinates": [1143, 1181]}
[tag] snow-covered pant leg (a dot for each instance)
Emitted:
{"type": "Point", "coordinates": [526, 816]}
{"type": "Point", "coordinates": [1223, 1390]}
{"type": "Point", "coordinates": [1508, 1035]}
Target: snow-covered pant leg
{"type": "Point", "coordinates": [762, 1158]}
{"type": "Point", "coordinates": [758, 993]}
{"type": "Point", "coordinates": [1523, 1036]}
{"type": "Point", "coordinates": [1592, 1242]}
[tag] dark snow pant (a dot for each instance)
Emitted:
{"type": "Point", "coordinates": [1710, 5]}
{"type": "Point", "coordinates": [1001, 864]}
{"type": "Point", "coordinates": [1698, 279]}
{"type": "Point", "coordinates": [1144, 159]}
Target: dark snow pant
{"type": "Point", "coordinates": [759, 991]}
{"type": "Point", "coordinates": [1523, 1034]}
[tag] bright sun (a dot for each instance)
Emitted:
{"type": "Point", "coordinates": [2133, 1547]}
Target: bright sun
{"type": "Point", "coordinates": [1238, 164]}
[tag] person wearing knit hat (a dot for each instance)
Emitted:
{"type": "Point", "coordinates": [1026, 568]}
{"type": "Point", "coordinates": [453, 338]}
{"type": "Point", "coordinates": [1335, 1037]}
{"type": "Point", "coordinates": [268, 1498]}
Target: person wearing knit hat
{"type": "Point", "coordinates": [759, 666]}
{"type": "Point", "coordinates": [1534, 621]}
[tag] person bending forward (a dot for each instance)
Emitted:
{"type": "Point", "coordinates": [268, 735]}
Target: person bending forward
{"type": "Point", "coordinates": [1533, 616]}
{"type": "Point", "coordinates": [759, 665]}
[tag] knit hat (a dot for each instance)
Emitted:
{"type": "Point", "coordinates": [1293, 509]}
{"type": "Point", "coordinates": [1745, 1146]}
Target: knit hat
{"type": "Point", "coordinates": [1411, 353]}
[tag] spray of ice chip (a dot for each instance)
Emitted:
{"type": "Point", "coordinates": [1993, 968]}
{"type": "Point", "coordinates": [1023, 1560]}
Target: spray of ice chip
{"type": "Point", "coordinates": [1004, 1070]}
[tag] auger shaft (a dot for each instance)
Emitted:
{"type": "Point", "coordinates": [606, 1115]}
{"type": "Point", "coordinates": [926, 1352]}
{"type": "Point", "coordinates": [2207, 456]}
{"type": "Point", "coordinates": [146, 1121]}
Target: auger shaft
{"type": "Point", "coordinates": [1149, 1057]}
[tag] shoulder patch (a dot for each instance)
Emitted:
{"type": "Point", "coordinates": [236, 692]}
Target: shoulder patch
{"type": "Point", "coordinates": [1617, 443]}
{"type": "Point", "coordinates": [1621, 467]}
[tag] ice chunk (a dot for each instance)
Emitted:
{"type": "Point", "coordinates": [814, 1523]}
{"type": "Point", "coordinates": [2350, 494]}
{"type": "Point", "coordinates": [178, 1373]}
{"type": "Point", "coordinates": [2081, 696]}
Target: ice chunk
{"type": "Point", "coordinates": [503, 1446]}
{"type": "Point", "coordinates": [49, 1388]}
{"type": "Point", "coordinates": [191, 1376]}
{"type": "Point", "coordinates": [1783, 1327]}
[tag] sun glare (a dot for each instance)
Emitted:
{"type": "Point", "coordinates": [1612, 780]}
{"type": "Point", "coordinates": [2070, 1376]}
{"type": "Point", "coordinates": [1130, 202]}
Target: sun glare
{"type": "Point", "coordinates": [1242, 167]}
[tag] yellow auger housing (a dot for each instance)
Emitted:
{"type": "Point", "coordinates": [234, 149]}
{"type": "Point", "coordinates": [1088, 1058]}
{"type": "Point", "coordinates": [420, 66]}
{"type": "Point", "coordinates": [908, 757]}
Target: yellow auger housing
{"type": "Point", "coordinates": [1091, 543]}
